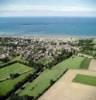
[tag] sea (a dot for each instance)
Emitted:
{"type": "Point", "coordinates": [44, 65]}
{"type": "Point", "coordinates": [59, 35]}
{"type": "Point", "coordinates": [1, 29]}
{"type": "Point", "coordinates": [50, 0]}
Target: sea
{"type": "Point", "coordinates": [53, 26]}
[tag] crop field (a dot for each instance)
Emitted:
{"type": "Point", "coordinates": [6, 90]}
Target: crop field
{"type": "Point", "coordinates": [7, 85]}
{"type": "Point", "coordinates": [85, 64]}
{"type": "Point", "coordinates": [92, 65]}
{"type": "Point", "coordinates": [39, 85]}
{"type": "Point", "coordinates": [85, 79]}
{"type": "Point", "coordinates": [73, 62]}
{"type": "Point", "coordinates": [65, 86]}
{"type": "Point", "coordinates": [13, 69]}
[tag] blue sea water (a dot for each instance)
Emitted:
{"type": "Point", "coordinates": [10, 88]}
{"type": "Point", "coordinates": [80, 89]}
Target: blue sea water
{"type": "Point", "coordinates": [71, 26]}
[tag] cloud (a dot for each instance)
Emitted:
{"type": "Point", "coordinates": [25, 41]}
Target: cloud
{"type": "Point", "coordinates": [28, 8]}
{"type": "Point", "coordinates": [45, 7]}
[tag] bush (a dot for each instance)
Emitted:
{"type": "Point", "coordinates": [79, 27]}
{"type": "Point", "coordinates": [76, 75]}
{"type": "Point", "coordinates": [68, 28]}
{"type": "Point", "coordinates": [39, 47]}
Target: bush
{"type": "Point", "coordinates": [16, 97]}
{"type": "Point", "coordinates": [52, 82]}
{"type": "Point", "coordinates": [12, 75]}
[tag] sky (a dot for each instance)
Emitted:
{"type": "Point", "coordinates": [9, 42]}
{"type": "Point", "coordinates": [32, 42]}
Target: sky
{"type": "Point", "coordinates": [47, 8]}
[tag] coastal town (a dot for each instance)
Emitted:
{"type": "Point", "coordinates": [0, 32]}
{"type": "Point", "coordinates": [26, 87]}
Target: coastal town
{"type": "Point", "coordinates": [35, 49]}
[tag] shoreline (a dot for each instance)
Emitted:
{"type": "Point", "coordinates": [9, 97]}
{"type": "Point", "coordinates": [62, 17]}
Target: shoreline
{"type": "Point", "coordinates": [25, 36]}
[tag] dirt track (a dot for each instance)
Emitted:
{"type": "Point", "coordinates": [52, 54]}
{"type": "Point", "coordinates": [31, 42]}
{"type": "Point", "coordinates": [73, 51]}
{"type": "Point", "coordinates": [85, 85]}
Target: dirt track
{"type": "Point", "coordinates": [65, 89]}
{"type": "Point", "coordinates": [92, 65]}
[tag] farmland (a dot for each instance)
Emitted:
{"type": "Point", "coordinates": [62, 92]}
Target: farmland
{"type": "Point", "coordinates": [85, 63]}
{"type": "Point", "coordinates": [39, 85]}
{"type": "Point", "coordinates": [7, 81]}
{"type": "Point", "coordinates": [11, 69]}
{"type": "Point", "coordinates": [65, 86]}
{"type": "Point", "coordinates": [8, 85]}
{"type": "Point", "coordinates": [85, 79]}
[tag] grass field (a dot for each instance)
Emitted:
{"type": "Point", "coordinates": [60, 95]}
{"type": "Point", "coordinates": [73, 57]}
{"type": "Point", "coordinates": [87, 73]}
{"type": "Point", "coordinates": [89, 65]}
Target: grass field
{"type": "Point", "coordinates": [72, 62]}
{"type": "Point", "coordinates": [8, 85]}
{"type": "Point", "coordinates": [85, 63]}
{"type": "Point", "coordinates": [13, 68]}
{"type": "Point", "coordinates": [43, 81]}
{"type": "Point", "coordinates": [85, 79]}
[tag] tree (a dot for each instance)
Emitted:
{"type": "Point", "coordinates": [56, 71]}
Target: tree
{"type": "Point", "coordinates": [52, 82]}
{"type": "Point", "coordinates": [14, 75]}
{"type": "Point", "coordinates": [16, 97]}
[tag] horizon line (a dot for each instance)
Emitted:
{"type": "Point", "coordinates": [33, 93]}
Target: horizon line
{"type": "Point", "coordinates": [48, 16]}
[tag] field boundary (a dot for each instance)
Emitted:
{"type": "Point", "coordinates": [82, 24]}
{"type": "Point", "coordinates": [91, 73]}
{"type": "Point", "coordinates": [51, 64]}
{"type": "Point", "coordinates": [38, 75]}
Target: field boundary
{"type": "Point", "coordinates": [51, 84]}
{"type": "Point", "coordinates": [66, 85]}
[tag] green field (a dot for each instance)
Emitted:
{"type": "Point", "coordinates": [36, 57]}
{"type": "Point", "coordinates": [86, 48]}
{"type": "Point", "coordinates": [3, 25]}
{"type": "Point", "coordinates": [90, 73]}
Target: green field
{"type": "Point", "coordinates": [85, 79]}
{"type": "Point", "coordinates": [12, 69]}
{"type": "Point", "coordinates": [85, 63]}
{"type": "Point", "coordinates": [72, 62]}
{"type": "Point", "coordinates": [43, 81]}
{"type": "Point", "coordinates": [8, 85]}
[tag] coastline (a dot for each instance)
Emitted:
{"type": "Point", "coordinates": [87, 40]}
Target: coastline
{"type": "Point", "coordinates": [43, 36]}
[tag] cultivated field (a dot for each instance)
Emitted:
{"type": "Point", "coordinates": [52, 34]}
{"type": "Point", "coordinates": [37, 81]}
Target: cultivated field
{"type": "Point", "coordinates": [39, 85]}
{"type": "Point", "coordinates": [42, 83]}
{"type": "Point", "coordinates": [92, 65]}
{"type": "Point", "coordinates": [65, 89]}
{"type": "Point", "coordinates": [85, 64]}
{"type": "Point", "coordinates": [13, 69]}
{"type": "Point", "coordinates": [85, 79]}
{"type": "Point", "coordinates": [7, 83]}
